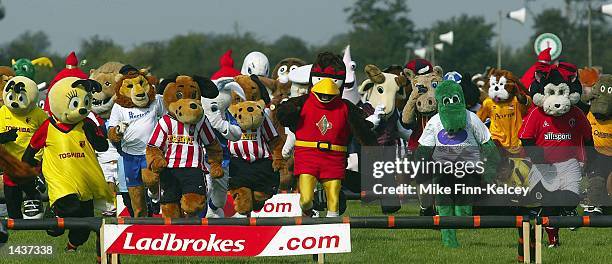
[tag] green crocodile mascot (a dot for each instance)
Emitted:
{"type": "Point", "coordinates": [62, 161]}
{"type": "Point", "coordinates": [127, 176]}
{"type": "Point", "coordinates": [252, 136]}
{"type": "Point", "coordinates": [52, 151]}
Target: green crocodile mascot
{"type": "Point", "coordinates": [455, 135]}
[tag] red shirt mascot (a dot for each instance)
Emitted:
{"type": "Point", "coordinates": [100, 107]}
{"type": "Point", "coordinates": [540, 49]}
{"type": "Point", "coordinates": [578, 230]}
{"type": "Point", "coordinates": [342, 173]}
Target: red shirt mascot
{"type": "Point", "coordinates": [323, 123]}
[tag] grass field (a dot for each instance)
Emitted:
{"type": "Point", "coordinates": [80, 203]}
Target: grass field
{"type": "Point", "coordinates": [586, 245]}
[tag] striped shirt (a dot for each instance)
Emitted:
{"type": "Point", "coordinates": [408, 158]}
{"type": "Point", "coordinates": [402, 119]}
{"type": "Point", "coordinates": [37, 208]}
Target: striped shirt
{"type": "Point", "coordinates": [254, 143]}
{"type": "Point", "coordinates": [182, 143]}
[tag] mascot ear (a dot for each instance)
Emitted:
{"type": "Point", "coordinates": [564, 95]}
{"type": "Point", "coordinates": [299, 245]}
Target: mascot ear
{"type": "Point", "coordinates": [263, 92]}
{"type": "Point", "coordinates": [438, 71]}
{"type": "Point", "coordinates": [90, 85]}
{"type": "Point", "coordinates": [574, 98]}
{"type": "Point", "coordinates": [236, 88]}
{"type": "Point", "coordinates": [168, 80]}
{"type": "Point", "coordinates": [409, 73]}
{"type": "Point", "coordinates": [365, 86]}
{"type": "Point", "coordinates": [401, 83]}
{"type": "Point", "coordinates": [207, 87]}
{"type": "Point", "coordinates": [538, 76]}
{"type": "Point", "coordinates": [538, 99]}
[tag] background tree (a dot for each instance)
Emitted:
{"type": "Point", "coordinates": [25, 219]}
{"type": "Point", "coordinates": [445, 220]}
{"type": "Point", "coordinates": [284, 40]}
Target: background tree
{"type": "Point", "coordinates": [381, 31]}
{"type": "Point", "coordinates": [472, 49]}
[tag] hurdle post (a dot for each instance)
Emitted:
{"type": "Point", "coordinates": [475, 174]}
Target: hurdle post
{"type": "Point", "coordinates": [526, 242]}
{"type": "Point", "coordinates": [103, 257]}
{"type": "Point", "coordinates": [538, 243]}
{"type": "Point", "coordinates": [320, 258]}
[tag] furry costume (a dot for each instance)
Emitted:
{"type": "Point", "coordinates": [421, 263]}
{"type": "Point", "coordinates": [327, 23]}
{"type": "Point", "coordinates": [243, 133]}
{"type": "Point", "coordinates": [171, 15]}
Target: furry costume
{"type": "Point", "coordinates": [421, 106]}
{"type": "Point", "coordinates": [102, 103]}
{"type": "Point", "coordinates": [253, 175]}
{"type": "Point", "coordinates": [69, 141]}
{"type": "Point", "coordinates": [456, 135]}
{"type": "Point", "coordinates": [505, 107]}
{"type": "Point", "coordinates": [175, 147]}
{"type": "Point", "coordinates": [323, 124]}
{"type": "Point", "coordinates": [19, 119]}
{"type": "Point", "coordinates": [226, 128]}
{"type": "Point", "coordinates": [600, 175]}
{"type": "Point", "coordinates": [380, 92]}
{"type": "Point", "coordinates": [133, 118]}
{"type": "Point", "coordinates": [554, 134]}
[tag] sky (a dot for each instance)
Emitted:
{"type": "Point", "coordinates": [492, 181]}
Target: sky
{"type": "Point", "coordinates": [68, 22]}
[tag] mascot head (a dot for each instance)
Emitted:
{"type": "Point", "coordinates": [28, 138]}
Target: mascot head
{"type": "Point", "coordinates": [134, 88]}
{"type": "Point", "coordinates": [470, 89]}
{"type": "Point", "coordinates": [255, 63]}
{"type": "Point", "coordinates": [26, 67]}
{"type": "Point", "coordinates": [106, 75]}
{"type": "Point", "coordinates": [248, 114]}
{"type": "Point", "coordinates": [502, 85]}
{"type": "Point", "coordinates": [328, 65]}
{"type": "Point", "coordinates": [451, 106]}
{"type": "Point", "coordinates": [20, 95]}
{"type": "Point", "coordinates": [284, 67]}
{"type": "Point", "coordinates": [70, 99]}
{"type": "Point", "coordinates": [601, 98]}
{"type": "Point", "coordinates": [381, 88]}
{"type": "Point", "coordinates": [425, 80]}
{"type": "Point", "coordinates": [556, 88]}
{"type": "Point", "coordinates": [182, 96]}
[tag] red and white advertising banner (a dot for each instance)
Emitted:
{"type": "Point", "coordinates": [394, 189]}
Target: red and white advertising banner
{"type": "Point", "coordinates": [226, 241]}
{"type": "Point", "coordinates": [280, 205]}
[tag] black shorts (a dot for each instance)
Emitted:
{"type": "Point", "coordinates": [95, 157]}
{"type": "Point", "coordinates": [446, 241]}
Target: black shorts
{"type": "Point", "coordinates": [257, 176]}
{"type": "Point", "coordinates": [176, 182]}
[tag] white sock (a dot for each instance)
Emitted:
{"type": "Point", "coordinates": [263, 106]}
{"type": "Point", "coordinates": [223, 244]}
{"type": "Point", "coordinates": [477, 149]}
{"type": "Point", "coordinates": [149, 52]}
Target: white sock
{"type": "Point", "coordinates": [332, 214]}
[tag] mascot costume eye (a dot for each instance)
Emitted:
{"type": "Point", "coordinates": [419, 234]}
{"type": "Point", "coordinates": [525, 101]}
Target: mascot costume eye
{"type": "Point", "coordinates": [456, 135]}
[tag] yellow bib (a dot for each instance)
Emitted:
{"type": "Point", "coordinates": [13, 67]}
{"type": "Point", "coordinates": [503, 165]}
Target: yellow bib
{"type": "Point", "coordinates": [70, 166]}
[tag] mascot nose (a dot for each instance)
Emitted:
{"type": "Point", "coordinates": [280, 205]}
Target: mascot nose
{"type": "Point", "coordinates": [422, 88]}
{"type": "Point", "coordinates": [193, 106]}
{"type": "Point", "coordinates": [140, 95]}
{"type": "Point", "coordinates": [14, 105]}
{"type": "Point", "coordinates": [82, 111]}
{"type": "Point", "coordinates": [250, 109]}
{"type": "Point", "coordinates": [557, 105]}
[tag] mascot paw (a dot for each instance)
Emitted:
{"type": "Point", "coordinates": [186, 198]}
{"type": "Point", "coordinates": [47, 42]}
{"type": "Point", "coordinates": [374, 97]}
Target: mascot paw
{"type": "Point", "coordinates": [171, 210]}
{"type": "Point", "coordinates": [158, 164]}
{"type": "Point", "coordinates": [215, 170]}
{"type": "Point", "coordinates": [150, 178]}
{"type": "Point", "coordinates": [193, 203]}
{"type": "Point", "coordinates": [243, 200]}
{"type": "Point", "coordinates": [279, 165]}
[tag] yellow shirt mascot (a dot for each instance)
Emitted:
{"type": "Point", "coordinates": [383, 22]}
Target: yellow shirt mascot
{"type": "Point", "coordinates": [69, 141]}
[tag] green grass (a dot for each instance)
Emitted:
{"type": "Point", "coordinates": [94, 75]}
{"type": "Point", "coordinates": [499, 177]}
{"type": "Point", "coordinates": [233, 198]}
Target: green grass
{"type": "Point", "coordinates": [586, 245]}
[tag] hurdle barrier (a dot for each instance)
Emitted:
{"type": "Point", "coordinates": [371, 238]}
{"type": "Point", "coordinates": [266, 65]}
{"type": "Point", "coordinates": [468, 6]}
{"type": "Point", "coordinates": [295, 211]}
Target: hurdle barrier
{"type": "Point", "coordinates": [375, 222]}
